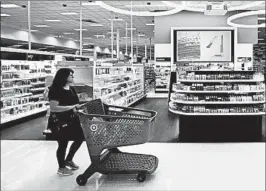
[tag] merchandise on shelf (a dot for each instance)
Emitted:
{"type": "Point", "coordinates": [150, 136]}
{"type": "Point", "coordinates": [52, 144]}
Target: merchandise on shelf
{"type": "Point", "coordinates": [162, 76]}
{"type": "Point", "coordinates": [22, 87]}
{"type": "Point", "coordinates": [232, 96]}
{"type": "Point", "coordinates": [118, 84]}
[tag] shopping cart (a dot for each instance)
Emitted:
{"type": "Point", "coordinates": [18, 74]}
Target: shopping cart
{"type": "Point", "coordinates": [107, 127]}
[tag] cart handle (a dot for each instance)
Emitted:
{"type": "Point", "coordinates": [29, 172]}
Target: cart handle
{"type": "Point", "coordinates": [113, 116]}
{"type": "Point", "coordinates": [154, 113]}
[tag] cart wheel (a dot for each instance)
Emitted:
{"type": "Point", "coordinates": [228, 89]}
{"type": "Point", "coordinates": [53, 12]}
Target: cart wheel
{"type": "Point", "coordinates": [81, 180]}
{"type": "Point", "coordinates": [141, 177]}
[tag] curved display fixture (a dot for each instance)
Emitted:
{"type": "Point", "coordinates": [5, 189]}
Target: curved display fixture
{"type": "Point", "coordinates": [140, 13]}
{"type": "Point", "coordinates": [202, 9]}
{"type": "Point", "coordinates": [245, 14]}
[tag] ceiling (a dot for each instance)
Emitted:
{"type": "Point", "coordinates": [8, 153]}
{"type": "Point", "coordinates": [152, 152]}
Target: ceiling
{"type": "Point", "coordinates": [51, 10]}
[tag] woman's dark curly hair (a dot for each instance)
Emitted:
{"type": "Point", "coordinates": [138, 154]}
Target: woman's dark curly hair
{"type": "Point", "coordinates": [60, 78]}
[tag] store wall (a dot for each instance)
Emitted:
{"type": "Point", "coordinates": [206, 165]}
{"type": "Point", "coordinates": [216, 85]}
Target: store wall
{"type": "Point", "coordinates": [14, 34]}
{"type": "Point", "coordinates": [163, 25]}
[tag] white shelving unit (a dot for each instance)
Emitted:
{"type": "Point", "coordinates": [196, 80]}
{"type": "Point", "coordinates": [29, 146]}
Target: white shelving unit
{"type": "Point", "coordinates": [217, 114]}
{"type": "Point", "coordinates": [219, 81]}
{"type": "Point", "coordinates": [217, 92]}
{"type": "Point", "coordinates": [20, 101]}
{"type": "Point", "coordinates": [129, 78]}
{"type": "Point", "coordinates": [217, 102]}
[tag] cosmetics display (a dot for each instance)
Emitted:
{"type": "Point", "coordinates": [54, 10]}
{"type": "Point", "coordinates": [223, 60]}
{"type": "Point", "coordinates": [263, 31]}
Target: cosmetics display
{"type": "Point", "coordinates": [217, 99]}
{"type": "Point", "coordinates": [228, 87]}
{"type": "Point", "coordinates": [217, 88]}
{"type": "Point", "coordinates": [208, 109]}
{"type": "Point", "coordinates": [118, 84]}
{"type": "Point", "coordinates": [22, 87]}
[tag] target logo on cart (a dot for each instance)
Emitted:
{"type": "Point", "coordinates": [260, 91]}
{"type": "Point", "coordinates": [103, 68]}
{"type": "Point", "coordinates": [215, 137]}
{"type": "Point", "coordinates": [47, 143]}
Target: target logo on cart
{"type": "Point", "coordinates": [93, 127]}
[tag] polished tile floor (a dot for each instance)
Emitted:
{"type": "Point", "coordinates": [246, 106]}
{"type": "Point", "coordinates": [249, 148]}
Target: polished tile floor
{"type": "Point", "coordinates": [32, 166]}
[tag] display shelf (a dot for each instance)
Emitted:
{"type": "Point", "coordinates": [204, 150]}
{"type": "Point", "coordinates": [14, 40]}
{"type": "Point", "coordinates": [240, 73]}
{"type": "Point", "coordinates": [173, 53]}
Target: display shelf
{"type": "Point", "coordinates": [217, 102]}
{"type": "Point", "coordinates": [231, 71]}
{"type": "Point", "coordinates": [217, 114]}
{"type": "Point", "coordinates": [135, 101]}
{"type": "Point", "coordinates": [16, 96]}
{"type": "Point", "coordinates": [222, 92]}
{"type": "Point", "coordinates": [22, 79]}
{"type": "Point", "coordinates": [16, 87]}
{"type": "Point", "coordinates": [37, 83]}
{"type": "Point", "coordinates": [21, 115]}
{"type": "Point", "coordinates": [38, 89]}
{"type": "Point", "coordinates": [115, 84]}
{"type": "Point", "coordinates": [220, 81]}
{"type": "Point", "coordinates": [108, 75]}
{"type": "Point", "coordinates": [117, 92]}
{"type": "Point", "coordinates": [21, 105]}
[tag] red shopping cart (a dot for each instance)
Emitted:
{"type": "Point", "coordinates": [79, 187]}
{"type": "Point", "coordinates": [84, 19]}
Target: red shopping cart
{"type": "Point", "coordinates": [107, 127]}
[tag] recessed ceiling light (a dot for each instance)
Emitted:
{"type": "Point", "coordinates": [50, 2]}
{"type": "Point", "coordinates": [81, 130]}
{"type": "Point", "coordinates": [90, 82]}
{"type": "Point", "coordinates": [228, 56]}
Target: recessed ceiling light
{"type": "Point", "coordinates": [33, 30]}
{"type": "Point", "coordinates": [9, 6]}
{"type": "Point", "coordinates": [130, 28]}
{"type": "Point", "coordinates": [69, 33]}
{"type": "Point", "coordinates": [141, 35]}
{"type": "Point", "coordinates": [5, 15]}
{"type": "Point", "coordinates": [96, 25]}
{"type": "Point", "coordinates": [90, 3]}
{"type": "Point", "coordinates": [150, 24]}
{"type": "Point", "coordinates": [100, 35]}
{"type": "Point", "coordinates": [87, 38]}
{"type": "Point", "coordinates": [111, 32]}
{"type": "Point", "coordinates": [52, 20]}
{"type": "Point", "coordinates": [17, 45]}
{"type": "Point", "coordinates": [41, 26]}
{"type": "Point", "coordinates": [81, 29]}
{"type": "Point", "coordinates": [69, 13]}
{"type": "Point", "coordinates": [116, 19]}
{"type": "Point", "coordinates": [125, 37]}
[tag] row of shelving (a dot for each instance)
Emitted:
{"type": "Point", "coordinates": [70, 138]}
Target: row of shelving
{"type": "Point", "coordinates": [22, 87]}
{"type": "Point", "coordinates": [218, 93]}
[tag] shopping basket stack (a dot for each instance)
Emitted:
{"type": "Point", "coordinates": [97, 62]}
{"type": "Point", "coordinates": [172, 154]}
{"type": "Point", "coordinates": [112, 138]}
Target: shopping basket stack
{"type": "Point", "coordinates": [108, 127]}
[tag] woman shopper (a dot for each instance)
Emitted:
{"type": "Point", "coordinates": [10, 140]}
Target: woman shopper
{"type": "Point", "coordinates": [63, 104]}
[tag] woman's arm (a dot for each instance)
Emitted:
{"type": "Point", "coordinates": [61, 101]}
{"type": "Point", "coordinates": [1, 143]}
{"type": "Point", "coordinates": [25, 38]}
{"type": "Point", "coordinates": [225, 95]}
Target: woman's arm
{"type": "Point", "coordinates": [54, 106]}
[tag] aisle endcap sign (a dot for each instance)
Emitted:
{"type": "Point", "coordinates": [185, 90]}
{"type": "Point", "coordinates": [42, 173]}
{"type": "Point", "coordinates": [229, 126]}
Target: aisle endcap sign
{"type": "Point", "coordinates": [163, 59]}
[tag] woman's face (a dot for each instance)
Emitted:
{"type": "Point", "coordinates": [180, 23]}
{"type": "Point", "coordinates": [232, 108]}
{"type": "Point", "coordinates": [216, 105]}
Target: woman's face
{"type": "Point", "coordinates": [70, 78]}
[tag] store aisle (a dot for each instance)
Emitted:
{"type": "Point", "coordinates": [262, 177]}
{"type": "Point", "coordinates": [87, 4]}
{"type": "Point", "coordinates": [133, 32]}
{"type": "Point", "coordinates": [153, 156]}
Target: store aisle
{"type": "Point", "coordinates": [166, 124]}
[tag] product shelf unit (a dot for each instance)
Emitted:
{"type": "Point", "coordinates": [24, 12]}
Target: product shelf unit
{"type": "Point", "coordinates": [118, 83]}
{"type": "Point", "coordinates": [20, 81]}
{"type": "Point", "coordinates": [217, 89]}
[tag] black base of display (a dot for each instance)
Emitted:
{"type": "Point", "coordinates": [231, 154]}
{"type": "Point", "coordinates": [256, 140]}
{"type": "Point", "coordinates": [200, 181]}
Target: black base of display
{"type": "Point", "coordinates": [22, 120]}
{"type": "Point", "coordinates": [220, 129]}
{"type": "Point", "coordinates": [161, 92]}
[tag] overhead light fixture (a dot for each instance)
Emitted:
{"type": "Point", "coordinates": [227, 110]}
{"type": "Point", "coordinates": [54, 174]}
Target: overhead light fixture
{"type": "Point", "coordinates": [130, 28]}
{"type": "Point", "coordinates": [143, 5]}
{"type": "Point", "coordinates": [111, 32]}
{"type": "Point", "coordinates": [125, 37]}
{"type": "Point", "coordinates": [245, 14]}
{"type": "Point", "coordinates": [90, 3]}
{"type": "Point", "coordinates": [141, 35]}
{"type": "Point", "coordinates": [116, 19]}
{"type": "Point", "coordinates": [5, 15]}
{"type": "Point", "coordinates": [33, 30]}
{"type": "Point", "coordinates": [87, 38]}
{"type": "Point", "coordinates": [66, 33]}
{"type": "Point", "coordinates": [150, 24]}
{"type": "Point", "coordinates": [80, 29]}
{"type": "Point", "coordinates": [261, 18]}
{"type": "Point", "coordinates": [17, 45]}
{"type": "Point", "coordinates": [100, 35]}
{"type": "Point", "coordinates": [69, 13]}
{"type": "Point", "coordinates": [96, 25]}
{"type": "Point", "coordinates": [9, 6]}
{"type": "Point", "coordinates": [141, 13]}
{"type": "Point", "coordinates": [52, 20]}
{"type": "Point", "coordinates": [41, 26]}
